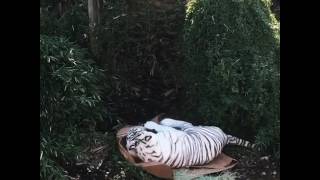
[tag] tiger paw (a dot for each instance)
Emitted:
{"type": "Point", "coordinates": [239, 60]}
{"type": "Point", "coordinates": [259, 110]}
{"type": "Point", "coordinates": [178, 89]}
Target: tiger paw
{"type": "Point", "coordinates": [151, 125]}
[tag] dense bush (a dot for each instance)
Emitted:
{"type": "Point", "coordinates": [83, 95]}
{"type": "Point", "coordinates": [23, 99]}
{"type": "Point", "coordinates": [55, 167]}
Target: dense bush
{"type": "Point", "coordinates": [70, 101]}
{"type": "Point", "coordinates": [140, 45]}
{"type": "Point", "coordinates": [73, 24]}
{"type": "Point", "coordinates": [233, 67]}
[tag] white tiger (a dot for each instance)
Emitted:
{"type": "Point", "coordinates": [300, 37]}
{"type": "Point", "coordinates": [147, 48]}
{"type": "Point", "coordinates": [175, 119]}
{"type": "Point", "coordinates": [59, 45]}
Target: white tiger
{"type": "Point", "coordinates": [178, 143]}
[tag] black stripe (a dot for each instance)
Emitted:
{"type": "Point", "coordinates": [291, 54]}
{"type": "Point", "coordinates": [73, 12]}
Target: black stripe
{"type": "Point", "coordinates": [178, 157]}
{"type": "Point", "coordinates": [183, 153]}
{"type": "Point", "coordinates": [197, 151]}
{"type": "Point", "coordinates": [214, 147]}
{"type": "Point", "coordinates": [242, 142]}
{"type": "Point", "coordinates": [238, 141]}
{"type": "Point", "coordinates": [166, 161]}
{"type": "Point", "coordinates": [208, 143]}
{"type": "Point", "coordinates": [181, 160]}
{"type": "Point", "coordinates": [156, 156]}
{"type": "Point", "coordinates": [160, 160]}
{"type": "Point", "coordinates": [201, 148]}
{"type": "Point", "coordinates": [189, 146]}
{"type": "Point", "coordinates": [194, 144]}
{"type": "Point", "coordinates": [246, 143]}
{"type": "Point", "coordinates": [151, 152]}
{"type": "Point", "coordinates": [174, 160]}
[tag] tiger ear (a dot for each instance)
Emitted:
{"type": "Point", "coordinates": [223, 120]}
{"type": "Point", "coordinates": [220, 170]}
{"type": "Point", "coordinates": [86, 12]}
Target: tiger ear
{"type": "Point", "coordinates": [147, 138]}
{"type": "Point", "coordinates": [158, 118]}
{"type": "Point", "coordinates": [123, 141]}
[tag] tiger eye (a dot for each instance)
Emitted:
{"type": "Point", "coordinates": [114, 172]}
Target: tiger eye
{"type": "Point", "coordinates": [131, 147]}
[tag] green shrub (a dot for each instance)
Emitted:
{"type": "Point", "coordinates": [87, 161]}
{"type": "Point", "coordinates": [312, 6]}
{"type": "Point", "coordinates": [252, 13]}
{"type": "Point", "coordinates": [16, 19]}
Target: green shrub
{"type": "Point", "coordinates": [70, 100]}
{"type": "Point", "coordinates": [232, 67]}
{"type": "Point", "coordinates": [139, 42]}
{"type": "Point", "coordinates": [73, 24]}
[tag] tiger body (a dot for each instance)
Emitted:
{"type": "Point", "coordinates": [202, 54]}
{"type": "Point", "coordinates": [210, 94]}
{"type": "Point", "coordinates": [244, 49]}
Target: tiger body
{"type": "Point", "coordinates": [178, 143]}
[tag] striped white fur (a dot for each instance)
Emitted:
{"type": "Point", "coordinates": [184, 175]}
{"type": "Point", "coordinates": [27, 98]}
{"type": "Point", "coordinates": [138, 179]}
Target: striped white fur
{"type": "Point", "coordinates": [188, 146]}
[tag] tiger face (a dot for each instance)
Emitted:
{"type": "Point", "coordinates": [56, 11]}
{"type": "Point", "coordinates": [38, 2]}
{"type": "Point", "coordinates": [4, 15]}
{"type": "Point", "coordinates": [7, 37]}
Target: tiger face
{"type": "Point", "coordinates": [137, 136]}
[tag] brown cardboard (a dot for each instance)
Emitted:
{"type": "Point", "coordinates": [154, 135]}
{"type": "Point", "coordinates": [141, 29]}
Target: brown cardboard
{"type": "Point", "coordinates": [221, 163]}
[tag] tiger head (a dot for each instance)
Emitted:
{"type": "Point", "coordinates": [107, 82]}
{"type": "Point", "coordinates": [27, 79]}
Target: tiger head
{"type": "Point", "coordinates": [136, 136]}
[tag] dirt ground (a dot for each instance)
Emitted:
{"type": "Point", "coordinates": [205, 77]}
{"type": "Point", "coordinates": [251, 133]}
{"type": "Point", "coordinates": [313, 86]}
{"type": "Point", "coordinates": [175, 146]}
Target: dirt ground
{"type": "Point", "coordinates": [103, 161]}
{"type": "Point", "coordinates": [253, 166]}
